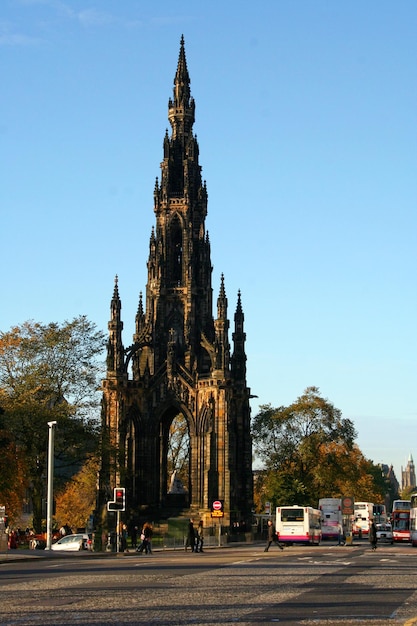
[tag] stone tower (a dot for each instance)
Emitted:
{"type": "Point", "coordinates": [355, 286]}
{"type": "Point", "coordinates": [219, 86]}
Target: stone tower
{"type": "Point", "coordinates": [408, 475]}
{"type": "Point", "coordinates": [180, 361]}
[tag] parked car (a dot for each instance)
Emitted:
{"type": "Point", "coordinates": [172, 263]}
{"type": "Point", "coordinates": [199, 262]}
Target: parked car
{"type": "Point", "coordinates": [79, 541]}
{"type": "Point", "coordinates": [384, 533]}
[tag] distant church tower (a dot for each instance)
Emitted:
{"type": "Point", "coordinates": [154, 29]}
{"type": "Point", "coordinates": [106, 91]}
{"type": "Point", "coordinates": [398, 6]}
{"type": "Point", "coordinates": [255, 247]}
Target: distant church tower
{"type": "Point", "coordinates": [408, 475]}
{"type": "Point", "coordinates": [180, 361]}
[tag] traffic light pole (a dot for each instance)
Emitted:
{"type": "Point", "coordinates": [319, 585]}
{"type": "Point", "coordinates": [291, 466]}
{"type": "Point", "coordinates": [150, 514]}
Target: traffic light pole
{"type": "Point", "coordinates": [118, 504]}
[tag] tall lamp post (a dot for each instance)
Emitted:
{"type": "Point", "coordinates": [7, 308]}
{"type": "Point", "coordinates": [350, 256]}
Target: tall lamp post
{"type": "Point", "coordinates": [50, 495]}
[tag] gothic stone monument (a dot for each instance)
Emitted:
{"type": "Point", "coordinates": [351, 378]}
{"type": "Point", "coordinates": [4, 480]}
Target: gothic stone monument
{"type": "Point", "coordinates": [180, 361]}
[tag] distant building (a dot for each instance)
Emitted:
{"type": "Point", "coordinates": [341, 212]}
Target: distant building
{"type": "Point", "coordinates": [408, 475]}
{"type": "Point", "coordinates": [392, 483]}
{"type": "Point", "coordinates": [388, 472]}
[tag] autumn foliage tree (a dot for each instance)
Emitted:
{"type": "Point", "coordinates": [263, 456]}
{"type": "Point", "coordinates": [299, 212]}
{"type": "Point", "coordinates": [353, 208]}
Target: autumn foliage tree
{"type": "Point", "coordinates": [77, 499]}
{"type": "Point", "coordinates": [49, 373]}
{"type": "Point", "coordinates": [13, 476]}
{"type": "Point", "coordinates": [309, 452]}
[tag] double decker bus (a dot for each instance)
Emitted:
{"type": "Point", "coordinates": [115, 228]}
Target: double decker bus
{"type": "Point", "coordinates": [400, 520]}
{"type": "Point", "coordinates": [413, 519]}
{"type": "Point", "coordinates": [331, 518]}
{"type": "Point", "coordinates": [298, 524]}
{"type": "Point", "coordinates": [362, 516]}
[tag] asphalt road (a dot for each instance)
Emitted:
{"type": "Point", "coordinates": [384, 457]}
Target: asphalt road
{"type": "Point", "coordinates": [325, 585]}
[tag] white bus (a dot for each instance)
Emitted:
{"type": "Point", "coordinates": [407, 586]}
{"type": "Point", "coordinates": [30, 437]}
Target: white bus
{"type": "Point", "coordinates": [331, 518]}
{"type": "Point", "coordinates": [413, 519]}
{"type": "Point", "coordinates": [363, 513]}
{"type": "Point", "coordinates": [298, 524]}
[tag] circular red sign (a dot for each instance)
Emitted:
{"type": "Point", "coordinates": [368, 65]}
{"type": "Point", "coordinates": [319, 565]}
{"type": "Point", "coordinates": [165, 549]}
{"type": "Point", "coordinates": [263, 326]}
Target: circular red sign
{"type": "Point", "coordinates": [217, 505]}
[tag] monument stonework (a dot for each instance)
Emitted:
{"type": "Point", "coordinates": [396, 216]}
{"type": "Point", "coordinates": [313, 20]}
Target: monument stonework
{"type": "Point", "coordinates": [180, 361]}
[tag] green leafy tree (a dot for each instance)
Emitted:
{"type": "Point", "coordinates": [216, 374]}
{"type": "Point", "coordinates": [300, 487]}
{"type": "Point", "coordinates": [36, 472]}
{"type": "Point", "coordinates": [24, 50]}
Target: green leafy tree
{"type": "Point", "coordinates": [308, 451]}
{"type": "Point", "coordinates": [51, 373]}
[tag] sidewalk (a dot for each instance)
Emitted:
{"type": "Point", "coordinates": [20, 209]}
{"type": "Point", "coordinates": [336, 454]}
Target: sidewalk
{"type": "Point", "coordinates": [30, 555]}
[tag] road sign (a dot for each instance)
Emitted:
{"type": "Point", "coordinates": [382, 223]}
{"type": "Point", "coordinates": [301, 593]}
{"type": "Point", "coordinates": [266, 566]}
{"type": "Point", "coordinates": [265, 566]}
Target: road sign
{"type": "Point", "coordinates": [347, 506]}
{"type": "Point", "coordinates": [217, 508]}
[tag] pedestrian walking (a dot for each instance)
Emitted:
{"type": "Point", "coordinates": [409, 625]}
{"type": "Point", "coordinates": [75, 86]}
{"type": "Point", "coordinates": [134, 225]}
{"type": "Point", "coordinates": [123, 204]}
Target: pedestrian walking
{"type": "Point", "coordinates": [271, 537]}
{"type": "Point", "coordinates": [146, 539]}
{"type": "Point", "coordinates": [190, 540]}
{"type": "Point", "coordinates": [373, 539]}
{"type": "Point", "coordinates": [123, 537]}
{"type": "Point", "coordinates": [199, 542]}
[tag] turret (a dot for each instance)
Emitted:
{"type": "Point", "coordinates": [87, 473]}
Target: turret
{"type": "Point", "coordinates": [115, 350]}
{"type": "Point", "coordinates": [238, 361]}
{"type": "Point", "coordinates": [221, 326]}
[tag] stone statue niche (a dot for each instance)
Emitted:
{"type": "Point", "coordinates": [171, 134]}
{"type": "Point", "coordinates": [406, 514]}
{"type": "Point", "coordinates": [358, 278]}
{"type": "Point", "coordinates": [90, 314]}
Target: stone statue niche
{"type": "Point", "coordinates": [176, 486]}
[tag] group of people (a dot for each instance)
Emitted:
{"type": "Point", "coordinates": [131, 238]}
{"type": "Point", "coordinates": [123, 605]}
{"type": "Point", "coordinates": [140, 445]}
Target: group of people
{"type": "Point", "coordinates": [195, 538]}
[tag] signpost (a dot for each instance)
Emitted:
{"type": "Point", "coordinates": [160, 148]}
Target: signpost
{"type": "Point", "coordinates": [217, 512]}
{"type": "Point", "coordinates": [348, 510]}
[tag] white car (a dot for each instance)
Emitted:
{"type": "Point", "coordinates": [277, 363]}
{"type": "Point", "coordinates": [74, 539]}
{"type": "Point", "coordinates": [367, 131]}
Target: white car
{"type": "Point", "coordinates": [74, 543]}
{"type": "Point", "coordinates": [384, 533]}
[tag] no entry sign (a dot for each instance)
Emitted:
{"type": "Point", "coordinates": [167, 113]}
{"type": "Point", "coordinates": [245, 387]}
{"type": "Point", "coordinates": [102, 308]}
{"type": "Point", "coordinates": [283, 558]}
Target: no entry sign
{"type": "Point", "coordinates": [217, 508]}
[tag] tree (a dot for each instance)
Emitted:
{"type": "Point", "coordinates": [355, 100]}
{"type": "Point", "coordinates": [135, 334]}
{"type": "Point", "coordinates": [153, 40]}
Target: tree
{"type": "Point", "coordinates": [51, 373]}
{"type": "Point", "coordinates": [77, 500]}
{"type": "Point", "coordinates": [309, 452]}
{"type": "Point", "coordinates": [13, 483]}
{"type": "Point", "coordinates": [179, 449]}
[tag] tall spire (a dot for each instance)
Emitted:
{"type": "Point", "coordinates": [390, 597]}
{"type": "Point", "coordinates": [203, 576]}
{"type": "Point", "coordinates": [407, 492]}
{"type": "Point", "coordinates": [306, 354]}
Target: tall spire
{"type": "Point", "coordinates": [222, 301]}
{"type": "Point", "coordinates": [181, 108]}
{"type": "Point", "coordinates": [182, 79]}
{"type": "Point", "coordinates": [140, 317]}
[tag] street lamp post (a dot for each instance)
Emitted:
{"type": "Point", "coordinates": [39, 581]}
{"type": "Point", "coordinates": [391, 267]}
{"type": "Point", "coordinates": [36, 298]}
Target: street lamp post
{"type": "Point", "coordinates": [50, 495]}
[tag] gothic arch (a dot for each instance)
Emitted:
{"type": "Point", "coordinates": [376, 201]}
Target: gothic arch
{"type": "Point", "coordinates": [166, 417]}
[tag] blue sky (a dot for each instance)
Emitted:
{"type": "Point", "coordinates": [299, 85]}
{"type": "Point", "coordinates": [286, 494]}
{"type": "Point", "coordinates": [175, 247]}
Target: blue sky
{"type": "Point", "coordinates": [306, 120]}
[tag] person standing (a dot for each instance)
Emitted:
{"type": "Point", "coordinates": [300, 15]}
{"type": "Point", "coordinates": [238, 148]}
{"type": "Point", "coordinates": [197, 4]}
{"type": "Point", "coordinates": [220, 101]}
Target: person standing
{"type": "Point", "coordinates": [271, 537]}
{"type": "Point", "coordinates": [134, 535]}
{"type": "Point", "coordinates": [372, 535]}
{"type": "Point", "coordinates": [199, 537]}
{"type": "Point", "coordinates": [190, 540]}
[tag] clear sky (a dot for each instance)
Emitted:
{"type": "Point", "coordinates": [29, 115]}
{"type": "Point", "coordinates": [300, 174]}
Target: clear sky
{"type": "Point", "coordinates": [306, 119]}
